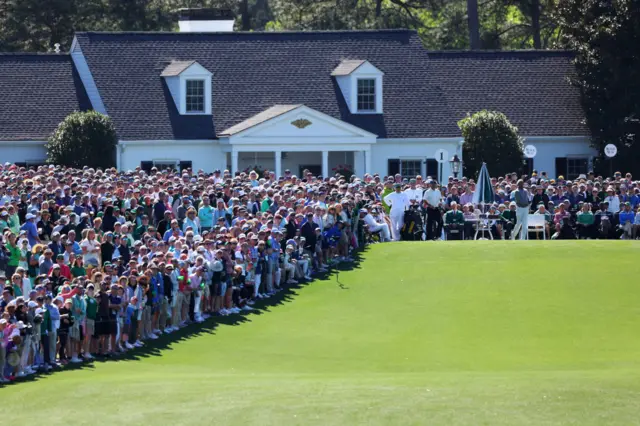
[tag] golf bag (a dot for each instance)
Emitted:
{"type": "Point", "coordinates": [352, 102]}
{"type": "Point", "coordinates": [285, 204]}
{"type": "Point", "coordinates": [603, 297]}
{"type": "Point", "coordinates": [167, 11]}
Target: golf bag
{"type": "Point", "coordinates": [413, 226]}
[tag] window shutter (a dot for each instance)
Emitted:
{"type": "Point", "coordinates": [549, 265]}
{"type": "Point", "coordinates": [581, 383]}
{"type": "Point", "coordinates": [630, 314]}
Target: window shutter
{"type": "Point", "coordinates": [393, 167]}
{"type": "Point", "coordinates": [146, 165]}
{"type": "Point", "coordinates": [529, 166]}
{"type": "Point", "coordinates": [184, 165]}
{"type": "Point", "coordinates": [561, 166]}
{"type": "Point", "coordinates": [432, 168]}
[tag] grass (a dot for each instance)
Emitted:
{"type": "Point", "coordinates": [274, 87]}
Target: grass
{"type": "Point", "coordinates": [489, 333]}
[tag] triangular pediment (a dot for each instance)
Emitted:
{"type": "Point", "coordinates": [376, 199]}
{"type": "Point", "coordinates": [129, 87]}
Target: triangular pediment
{"type": "Point", "coordinates": [282, 122]}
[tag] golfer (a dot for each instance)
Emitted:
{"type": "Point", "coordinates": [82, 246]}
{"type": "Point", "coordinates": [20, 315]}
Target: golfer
{"type": "Point", "coordinates": [521, 197]}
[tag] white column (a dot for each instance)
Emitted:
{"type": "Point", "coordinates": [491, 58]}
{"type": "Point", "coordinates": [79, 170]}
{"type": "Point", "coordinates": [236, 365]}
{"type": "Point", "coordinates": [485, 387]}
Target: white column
{"type": "Point", "coordinates": [234, 162]}
{"type": "Point", "coordinates": [278, 170]}
{"type": "Point", "coordinates": [119, 149]}
{"type": "Point", "coordinates": [358, 163]}
{"type": "Point", "coordinates": [325, 164]}
{"type": "Point", "coordinates": [367, 160]}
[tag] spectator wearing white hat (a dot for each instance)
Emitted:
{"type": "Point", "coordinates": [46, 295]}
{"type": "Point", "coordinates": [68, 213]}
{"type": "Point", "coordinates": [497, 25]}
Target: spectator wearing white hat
{"type": "Point", "coordinates": [613, 200]}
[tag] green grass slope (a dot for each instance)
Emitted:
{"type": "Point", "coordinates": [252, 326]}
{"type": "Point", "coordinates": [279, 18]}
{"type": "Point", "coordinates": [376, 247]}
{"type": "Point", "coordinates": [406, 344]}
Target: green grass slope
{"type": "Point", "coordinates": [490, 333]}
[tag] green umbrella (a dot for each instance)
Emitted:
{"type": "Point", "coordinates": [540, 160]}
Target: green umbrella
{"type": "Point", "coordinates": [484, 191]}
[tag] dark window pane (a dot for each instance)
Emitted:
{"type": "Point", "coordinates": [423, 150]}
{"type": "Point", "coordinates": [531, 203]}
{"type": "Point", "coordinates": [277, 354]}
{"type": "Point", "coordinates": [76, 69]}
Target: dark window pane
{"type": "Point", "coordinates": [410, 168]}
{"type": "Point", "coordinates": [393, 166]}
{"type": "Point", "coordinates": [561, 167]}
{"type": "Point", "coordinates": [367, 94]}
{"type": "Point", "coordinates": [577, 167]}
{"type": "Point", "coordinates": [195, 96]}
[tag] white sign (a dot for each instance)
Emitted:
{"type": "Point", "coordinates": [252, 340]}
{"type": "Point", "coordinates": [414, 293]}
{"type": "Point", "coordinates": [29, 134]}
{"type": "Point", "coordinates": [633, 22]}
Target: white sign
{"type": "Point", "coordinates": [442, 156]}
{"type": "Point", "coordinates": [530, 151]}
{"type": "Point", "coordinates": [610, 150]}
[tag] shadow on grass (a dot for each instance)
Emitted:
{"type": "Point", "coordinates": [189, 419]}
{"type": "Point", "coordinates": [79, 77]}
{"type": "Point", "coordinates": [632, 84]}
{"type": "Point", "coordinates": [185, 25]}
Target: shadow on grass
{"type": "Point", "coordinates": [153, 348]}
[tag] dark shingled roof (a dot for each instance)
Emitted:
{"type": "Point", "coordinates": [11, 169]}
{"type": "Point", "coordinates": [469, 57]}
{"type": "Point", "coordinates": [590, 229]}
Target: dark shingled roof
{"type": "Point", "coordinates": [425, 94]}
{"type": "Point", "coordinates": [255, 71]}
{"type": "Point", "coordinates": [37, 91]}
{"type": "Point", "coordinates": [530, 87]}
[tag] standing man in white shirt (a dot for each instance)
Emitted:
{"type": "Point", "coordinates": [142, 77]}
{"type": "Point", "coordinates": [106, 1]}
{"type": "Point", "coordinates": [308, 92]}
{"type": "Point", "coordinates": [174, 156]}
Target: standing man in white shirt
{"type": "Point", "coordinates": [432, 199]}
{"type": "Point", "coordinates": [413, 192]}
{"type": "Point", "coordinates": [613, 199]}
{"type": "Point", "coordinates": [399, 202]}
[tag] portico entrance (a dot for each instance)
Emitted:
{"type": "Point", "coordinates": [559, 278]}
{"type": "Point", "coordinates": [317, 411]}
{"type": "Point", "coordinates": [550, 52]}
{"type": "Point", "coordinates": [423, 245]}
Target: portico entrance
{"type": "Point", "coordinates": [293, 161]}
{"type": "Point", "coordinates": [286, 137]}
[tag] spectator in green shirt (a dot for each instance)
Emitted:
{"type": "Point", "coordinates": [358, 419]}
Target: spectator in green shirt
{"type": "Point", "coordinates": [140, 230]}
{"type": "Point", "coordinates": [78, 270]}
{"type": "Point", "coordinates": [14, 255]}
{"type": "Point", "coordinates": [388, 189]}
{"type": "Point", "coordinates": [91, 312]}
{"type": "Point", "coordinates": [453, 219]}
{"type": "Point", "coordinates": [586, 222]}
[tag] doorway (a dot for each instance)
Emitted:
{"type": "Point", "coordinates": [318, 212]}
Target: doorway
{"type": "Point", "coordinates": [314, 169]}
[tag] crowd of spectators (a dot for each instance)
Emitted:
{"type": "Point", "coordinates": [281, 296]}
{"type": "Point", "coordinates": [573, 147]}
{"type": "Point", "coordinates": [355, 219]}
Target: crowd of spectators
{"type": "Point", "coordinates": [587, 207]}
{"type": "Point", "coordinates": [96, 262]}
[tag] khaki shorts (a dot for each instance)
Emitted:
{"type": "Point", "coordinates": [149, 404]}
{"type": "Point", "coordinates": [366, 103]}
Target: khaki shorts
{"type": "Point", "coordinates": [91, 327]}
{"type": "Point", "coordinates": [74, 332]}
{"type": "Point", "coordinates": [186, 298]}
{"type": "Point", "coordinates": [206, 291]}
{"type": "Point", "coordinates": [177, 300]}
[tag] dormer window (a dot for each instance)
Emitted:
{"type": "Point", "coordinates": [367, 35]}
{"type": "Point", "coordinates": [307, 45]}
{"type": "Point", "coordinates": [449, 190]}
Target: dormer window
{"type": "Point", "coordinates": [366, 94]}
{"type": "Point", "coordinates": [190, 86]}
{"type": "Point", "coordinates": [361, 85]}
{"type": "Point", "coordinates": [195, 96]}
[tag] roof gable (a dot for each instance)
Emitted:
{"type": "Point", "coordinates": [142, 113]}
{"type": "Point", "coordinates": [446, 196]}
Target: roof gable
{"type": "Point", "coordinates": [176, 68]}
{"type": "Point", "coordinates": [297, 122]}
{"type": "Point", "coordinates": [347, 66]}
{"type": "Point", "coordinates": [259, 118]}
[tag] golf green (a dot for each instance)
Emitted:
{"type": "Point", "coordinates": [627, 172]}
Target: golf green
{"type": "Point", "coordinates": [446, 333]}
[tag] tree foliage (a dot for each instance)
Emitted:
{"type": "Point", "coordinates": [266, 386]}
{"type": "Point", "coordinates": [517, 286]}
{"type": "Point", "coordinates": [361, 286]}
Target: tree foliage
{"type": "Point", "coordinates": [83, 139]}
{"type": "Point", "coordinates": [34, 25]}
{"type": "Point", "coordinates": [606, 38]}
{"type": "Point", "coordinates": [489, 137]}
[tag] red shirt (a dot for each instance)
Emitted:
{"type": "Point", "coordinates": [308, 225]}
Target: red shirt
{"type": "Point", "coordinates": [65, 271]}
{"type": "Point", "coordinates": [183, 280]}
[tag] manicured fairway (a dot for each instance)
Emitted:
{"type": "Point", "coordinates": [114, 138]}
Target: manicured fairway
{"type": "Point", "coordinates": [485, 333]}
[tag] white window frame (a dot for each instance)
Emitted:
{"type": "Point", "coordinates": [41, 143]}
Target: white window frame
{"type": "Point", "coordinates": [204, 95]}
{"type": "Point", "coordinates": [375, 95]}
{"type": "Point", "coordinates": [412, 159]}
{"type": "Point", "coordinates": [166, 162]}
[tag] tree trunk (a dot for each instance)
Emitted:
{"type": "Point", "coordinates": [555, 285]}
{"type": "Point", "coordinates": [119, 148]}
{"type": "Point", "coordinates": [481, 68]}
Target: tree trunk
{"type": "Point", "coordinates": [378, 8]}
{"type": "Point", "coordinates": [474, 24]}
{"type": "Point", "coordinates": [535, 23]}
{"type": "Point", "coordinates": [245, 16]}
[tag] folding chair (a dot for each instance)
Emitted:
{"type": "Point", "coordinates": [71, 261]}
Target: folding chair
{"type": "Point", "coordinates": [536, 223]}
